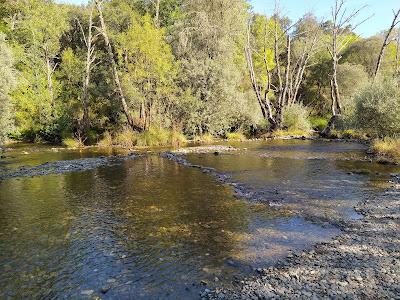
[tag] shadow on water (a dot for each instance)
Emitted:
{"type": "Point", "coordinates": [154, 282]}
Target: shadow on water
{"type": "Point", "coordinates": [154, 229]}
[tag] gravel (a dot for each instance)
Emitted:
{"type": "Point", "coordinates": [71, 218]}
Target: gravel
{"type": "Point", "coordinates": [66, 166]}
{"type": "Point", "coordinates": [361, 263]}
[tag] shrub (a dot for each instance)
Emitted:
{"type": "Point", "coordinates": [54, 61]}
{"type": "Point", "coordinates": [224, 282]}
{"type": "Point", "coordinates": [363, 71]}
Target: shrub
{"type": "Point", "coordinates": [318, 123]}
{"type": "Point", "coordinates": [295, 117]}
{"type": "Point", "coordinates": [236, 136]}
{"type": "Point", "coordinates": [177, 139]}
{"type": "Point", "coordinates": [72, 143]}
{"type": "Point", "coordinates": [204, 139]}
{"type": "Point", "coordinates": [158, 137]}
{"type": "Point", "coordinates": [388, 147]}
{"type": "Point", "coordinates": [106, 141]}
{"type": "Point", "coordinates": [378, 108]}
{"type": "Point", "coordinates": [126, 138]}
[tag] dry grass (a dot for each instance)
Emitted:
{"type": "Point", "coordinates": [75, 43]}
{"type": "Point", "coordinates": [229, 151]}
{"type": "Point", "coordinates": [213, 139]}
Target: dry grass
{"type": "Point", "coordinates": [235, 136]}
{"type": "Point", "coordinates": [154, 137]}
{"type": "Point", "coordinates": [204, 139]}
{"type": "Point", "coordinates": [72, 143]}
{"type": "Point", "coordinates": [388, 147]}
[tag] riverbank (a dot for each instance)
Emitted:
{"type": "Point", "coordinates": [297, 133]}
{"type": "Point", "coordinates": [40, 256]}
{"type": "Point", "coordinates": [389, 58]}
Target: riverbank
{"type": "Point", "coordinates": [362, 263]}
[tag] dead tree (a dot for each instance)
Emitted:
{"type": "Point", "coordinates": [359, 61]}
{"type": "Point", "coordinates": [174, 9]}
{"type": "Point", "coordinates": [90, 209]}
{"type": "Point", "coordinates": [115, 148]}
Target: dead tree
{"type": "Point", "coordinates": [286, 77]}
{"type": "Point", "coordinates": [341, 24]}
{"type": "Point", "coordinates": [386, 41]}
{"type": "Point", "coordinates": [103, 31]}
{"type": "Point", "coordinates": [89, 40]}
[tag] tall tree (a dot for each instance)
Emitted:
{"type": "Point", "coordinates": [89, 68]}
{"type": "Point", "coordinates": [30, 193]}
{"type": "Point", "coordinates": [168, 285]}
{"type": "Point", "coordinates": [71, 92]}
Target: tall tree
{"type": "Point", "coordinates": [89, 40]}
{"type": "Point", "coordinates": [386, 41]}
{"type": "Point", "coordinates": [128, 115]}
{"type": "Point", "coordinates": [283, 69]}
{"type": "Point", "coordinates": [7, 82]}
{"type": "Point", "coordinates": [340, 39]}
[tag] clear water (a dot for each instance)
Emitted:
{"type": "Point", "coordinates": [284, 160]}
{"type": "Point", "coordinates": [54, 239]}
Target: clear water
{"type": "Point", "coordinates": [150, 228]}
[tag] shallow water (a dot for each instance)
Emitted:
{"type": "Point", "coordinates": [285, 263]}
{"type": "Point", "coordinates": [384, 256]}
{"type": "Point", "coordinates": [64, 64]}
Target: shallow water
{"type": "Point", "coordinates": [150, 228]}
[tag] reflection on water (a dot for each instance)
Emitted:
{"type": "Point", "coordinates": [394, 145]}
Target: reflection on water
{"type": "Point", "coordinates": [150, 228]}
{"type": "Point", "coordinates": [314, 177]}
{"type": "Point", "coordinates": [147, 227]}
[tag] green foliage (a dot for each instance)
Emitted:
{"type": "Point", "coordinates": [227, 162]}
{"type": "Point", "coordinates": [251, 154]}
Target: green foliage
{"type": "Point", "coordinates": [235, 136]}
{"type": "Point", "coordinates": [318, 123]}
{"type": "Point", "coordinates": [184, 70]}
{"type": "Point", "coordinates": [7, 83]}
{"type": "Point", "coordinates": [295, 117]}
{"type": "Point", "coordinates": [378, 108]}
{"type": "Point", "coordinates": [204, 139]}
{"type": "Point", "coordinates": [158, 137]}
{"type": "Point", "coordinates": [72, 143]}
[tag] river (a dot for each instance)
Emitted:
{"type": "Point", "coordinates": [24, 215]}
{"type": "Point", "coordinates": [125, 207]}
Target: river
{"type": "Point", "coordinates": [152, 228]}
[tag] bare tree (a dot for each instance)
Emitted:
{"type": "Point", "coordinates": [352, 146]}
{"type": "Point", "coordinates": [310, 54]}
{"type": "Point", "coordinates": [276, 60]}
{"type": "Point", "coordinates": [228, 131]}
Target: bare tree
{"type": "Point", "coordinates": [386, 41]}
{"type": "Point", "coordinates": [286, 77]}
{"type": "Point", "coordinates": [89, 40]}
{"type": "Point", "coordinates": [117, 81]}
{"type": "Point", "coordinates": [341, 26]}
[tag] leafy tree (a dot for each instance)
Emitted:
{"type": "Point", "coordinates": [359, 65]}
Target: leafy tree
{"type": "Point", "coordinates": [7, 82]}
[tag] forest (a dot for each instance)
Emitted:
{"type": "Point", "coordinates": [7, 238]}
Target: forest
{"type": "Point", "coordinates": [160, 72]}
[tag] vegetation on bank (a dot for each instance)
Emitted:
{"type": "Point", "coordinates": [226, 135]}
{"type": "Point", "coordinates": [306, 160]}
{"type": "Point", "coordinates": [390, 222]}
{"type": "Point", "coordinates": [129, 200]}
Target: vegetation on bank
{"type": "Point", "coordinates": [388, 148]}
{"type": "Point", "coordinates": [135, 74]}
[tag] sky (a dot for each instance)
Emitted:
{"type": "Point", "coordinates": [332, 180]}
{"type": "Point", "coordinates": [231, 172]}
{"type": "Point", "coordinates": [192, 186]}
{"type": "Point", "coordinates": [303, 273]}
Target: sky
{"type": "Point", "coordinates": [381, 11]}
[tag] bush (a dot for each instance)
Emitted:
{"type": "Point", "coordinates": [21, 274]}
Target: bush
{"type": "Point", "coordinates": [204, 139]}
{"type": "Point", "coordinates": [235, 136]}
{"type": "Point", "coordinates": [378, 108]}
{"type": "Point", "coordinates": [295, 117]}
{"type": "Point", "coordinates": [388, 147]}
{"type": "Point", "coordinates": [126, 138]}
{"type": "Point", "coordinates": [72, 143]}
{"type": "Point", "coordinates": [318, 123]}
{"type": "Point", "coordinates": [158, 137]}
{"type": "Point", "coordinates": [106, 141]}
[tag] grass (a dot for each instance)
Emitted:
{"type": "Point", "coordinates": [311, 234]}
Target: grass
{"type": "Point", "coordinates": [235, 136]}
{"type": "Point", "coordinates": [106, 141]}
{"type": "Point", "coordinates": [387, 148]}
{"type": "Point", "coordinates": [290, 132]}
{"type": "Point", "coordinates": [72, 143]}
{"type": "Point", "coordinates": [348, 134]}
{"type": "Point", "coordinates": [204, 139]}
{"type": "Point", "coordinates": [154, 137]}
{"type": "Point", "coordinates": [318, 123]}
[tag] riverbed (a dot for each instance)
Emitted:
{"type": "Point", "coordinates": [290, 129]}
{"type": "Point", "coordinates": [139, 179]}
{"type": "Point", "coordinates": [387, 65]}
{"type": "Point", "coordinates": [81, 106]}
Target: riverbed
{"type": "Point", "coordinates": [113, 224]}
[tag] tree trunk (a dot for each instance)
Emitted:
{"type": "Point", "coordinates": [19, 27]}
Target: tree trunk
{"type": "Point", "coordinates": [85, 126]}
{"type": "Point", "coordinates": [386, 42]}
{"type": "Point", "coordinates": [157, 15]}
{"type": "Point", "coordinates": [115, 70]}
{"type": "Point", "coordinates": [50, 83]}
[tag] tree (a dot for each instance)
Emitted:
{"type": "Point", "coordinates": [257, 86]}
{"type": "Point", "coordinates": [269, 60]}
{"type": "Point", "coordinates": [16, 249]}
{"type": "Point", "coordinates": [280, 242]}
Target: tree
{"type": "Point", "coordinates": [89, 39]}
{"type": "Point", "coordinates": [281, 77]}
{"type": "Point", "coordinates": [117, 81]}
{"type": "Point", "coordinates": [147, 68]}
{"type": "Point", "coordinates": [7, 83]}
{"type": "Point", "coordinates": [207, 44]}
{"type": "Point", "coordinates": [340, 39]}
{"type": "Point", "coordinates": [386, 41]}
